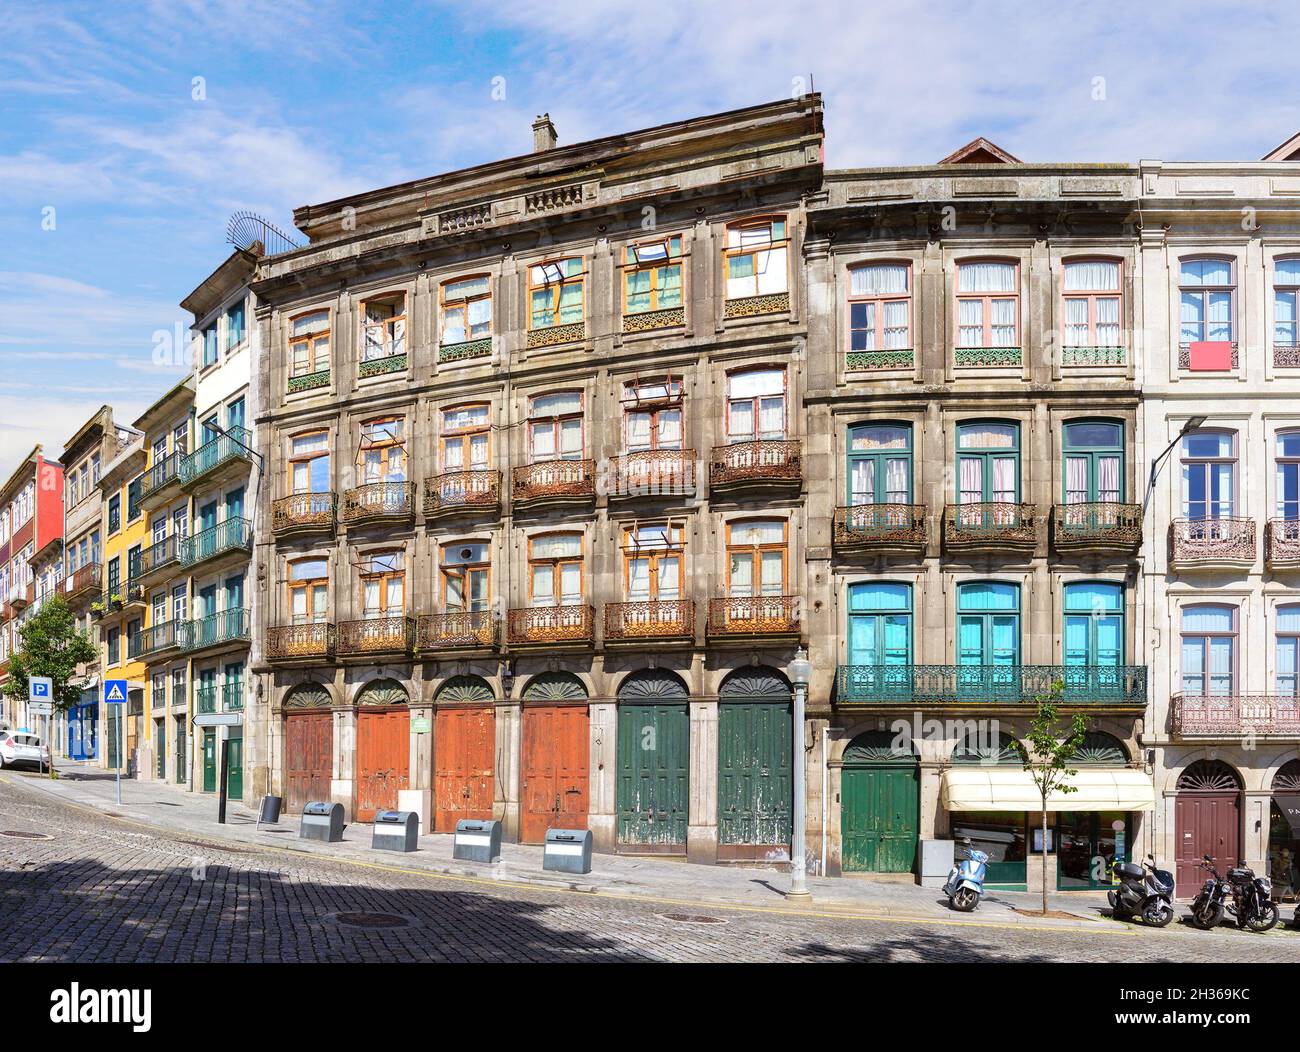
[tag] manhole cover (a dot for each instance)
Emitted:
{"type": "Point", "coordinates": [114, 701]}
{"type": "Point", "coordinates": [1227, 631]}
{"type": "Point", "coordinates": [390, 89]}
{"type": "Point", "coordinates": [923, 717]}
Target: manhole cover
{"type": "Point", "coordinates": [371, 920]}
{"type": "Point", "coordinates": [691, 918]}
{"type": "Point", "coordinates": [23, 834]}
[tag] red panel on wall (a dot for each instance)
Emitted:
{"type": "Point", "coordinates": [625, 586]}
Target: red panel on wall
{"type": "Point", "coordinates": [1210, 356]}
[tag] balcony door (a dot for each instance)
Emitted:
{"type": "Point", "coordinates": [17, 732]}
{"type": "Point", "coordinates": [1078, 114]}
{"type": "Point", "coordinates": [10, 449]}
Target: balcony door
{"type": "Point", "coordinates": [652, 557]}
{"type": "Point", "coordinates": [988, 472]}
{"type": "Point", "coordinates": [988, 641]}
{"type": "Point", "coordinates": [309, 463]}
{"type": "Point", "coordinates": [206, 541]}
{"type": "Point", "coordinates": [383, 586]}
{"type": "Point", "coordinates": [309, 591]}
{"type": "Point", "coordinates": [1093, 646]}
{"type": "Point", "coordinates": [466, 578]}
{"type": "Point", "coordinates": [383, 453]}
{"type": "Point", "coordinates": [555, 570]}
{"type": "Point", "coordinates": [756, 406]}
{"type": "Point", "coordinates": [465, 438]}
{"type": "Point", "coordinates": [1288, 481]}
{"type": "Point", "coordinates": [1209, 640]}
{"type": "Point", "coordinates": [1094, 462]}
{"type": "Point", "coordinates": [652, 416]}
{"type": "Point", "coordinates": [1209, 475]}
{"type": "Point", "coordinates": [1287, 672]}
{"type": "Point", "coordinates": [756, 559]}
{"type": "Point", "coordinates": [880, 641]}
{"type": "Point", "coordinates": [880, 464]}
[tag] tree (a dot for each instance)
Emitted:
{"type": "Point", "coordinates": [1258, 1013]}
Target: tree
{"type": "Point", "coordinates": [51, 646]}
{"type": "Point", "coordinates": [1049, 752]}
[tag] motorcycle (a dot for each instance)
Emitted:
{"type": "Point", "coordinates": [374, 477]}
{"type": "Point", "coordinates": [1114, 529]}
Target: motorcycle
{"type": "Point", "coordinates": [1144, 894]}
{"type": "Point", "coordinates": [1241, 894]}
{"type": "Point", "coordinates": [965, 886]}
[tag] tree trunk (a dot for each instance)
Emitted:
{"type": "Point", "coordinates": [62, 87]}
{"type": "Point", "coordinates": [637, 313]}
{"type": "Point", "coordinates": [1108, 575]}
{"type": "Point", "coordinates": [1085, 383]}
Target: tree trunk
{"type": "Point", "coordinates": [1044, 854]}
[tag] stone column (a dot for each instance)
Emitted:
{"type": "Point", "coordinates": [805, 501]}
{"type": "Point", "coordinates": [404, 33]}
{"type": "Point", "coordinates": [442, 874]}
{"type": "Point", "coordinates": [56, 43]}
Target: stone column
{"type": "Point", "coordinates": [343, 780]}
{"type": "Point", "coordinates": [702, 813]}
{"type": "Point", "coordinates": [506, 804]}
{"type": "Point", "coordinates": [602, 775]}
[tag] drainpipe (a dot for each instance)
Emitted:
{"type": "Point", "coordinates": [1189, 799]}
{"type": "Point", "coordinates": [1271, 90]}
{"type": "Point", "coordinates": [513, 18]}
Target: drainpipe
{"type": "Point", "coordinates": [826, 788]}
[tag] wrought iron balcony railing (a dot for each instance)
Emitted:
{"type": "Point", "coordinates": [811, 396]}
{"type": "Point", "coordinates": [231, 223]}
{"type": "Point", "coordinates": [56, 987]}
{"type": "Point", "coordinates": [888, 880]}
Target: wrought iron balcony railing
{"type": "Point", "coordinates": [653, 473]}
{"type": "Point", "coordinates": [649, 620]}
{"type": "Point", "coordinates": [880, 527]}
{"type": "Point", "coordinates": [456, 492]}
{"type": "Point", "coordinates": [221, 449]}
{"type": "Point", "coordinates": [160, 556]}
{"type": "Point", "coordinates": [314, 639]}
{"type": "Point", "coordinates": [456, 628]}
{"type": "Point", "coordinates": [225, 626]}
{"type": "Point", "coordinates": [84, 582]}
{"type": "Point", "coordinates": [166, 635]}
{"type": "Point", "coordinates": [759, 615]}
{"type": "Point", "coordinates": [226, 536]}
{"type": "Point", "coordinates": [303, 513]}
{"type": "Point", "coordinates": [1212, 542]}
{"type": "Point", "coordinates": [552, 624]}
{"type": "Point", "coordinates": [1124, 685]}
{"type": "Point", "coordinates": [163, 474]}
{"type": "Point", "coordinates": [219, 697]}
{"type": "Point", "coordinates": [1097, 526]}
{"type": "Point", "coordinates": [379, 502]}
{"type": "Point", "coordinates": [1282, 543]}
{"type": "Point", "coordinates": [554, 480]}
{"type": "Point", "coordinates": [377, 635]}
{"type": "Point", "coordinates": [767, 461]}
{"type": "Point", "coordinates": [1231, 715]}
{"type": "Point", "coordinates": [990, 525]}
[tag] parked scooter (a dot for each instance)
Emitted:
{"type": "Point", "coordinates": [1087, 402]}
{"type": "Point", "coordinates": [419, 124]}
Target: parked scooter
{"type": "Point", "coordinates": [1240, 893]}
{"type": "Point", "coordinates": [1144, 894]}
{"type": "Point", "coordinates": [965, 885]}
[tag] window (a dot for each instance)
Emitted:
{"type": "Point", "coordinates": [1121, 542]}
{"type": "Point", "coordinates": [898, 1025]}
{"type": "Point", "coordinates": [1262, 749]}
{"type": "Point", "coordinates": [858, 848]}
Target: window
{"type": "Point", "coordinates": [880, 624]}
{"type": "Point", "coordinates": [1094, 625]}
{"type": "Point", "coordinates": [158, 608]}
{"type": "Point", "coordinates": [178, 686]}
{"type": "Point", "coordinates": [757, 554]}
{"type": "Point", "coordinates": [652, 415]}
{"type": "Point", "coordinates": [309, 343]}
{"type": "Point", "coordinates": [880, 307]}
{"type": "Point", "coordinates": [94, 469]}
{"type": "Point", "coordinates": [652, 275]}
{"type": "Point", "coordinates": [383, 584]}
{"type": "Point", "coordinates": [1286, 293]}
{"type": "Point", "coordinates": [555, 293]}
{"type": "Point", "coordinates": [114, 513]}
{"type": "Point", "coordinates": [880, 464]}
{"type": "Point", "coordinates": [309, 463]}
{"type": "Point", "coordinates": [466, 577]}
{"type": "Point", "coordinates": [235, 414]}
{"type": "Point", "coordinates": [114, 578]}
{"type": "Point", "coordinates": [1288, 650]}
{"type": "Point", "coordinates": [1209, 470]}
{"type": "Point", "coordinates": [756, 405]}
{"type": "Point", "coordinates": [208, 338]}
{"type": "Point", "coordinates": [309, 591]}
{"type": "Point", "coordinates": [1205, 292]}
{"type": "Point", "coordinates": [181, 522]}
{"type": "Point", "coordinates": [988, 463]}
{"type": "Point", "coordinates": [158, 690]}
{"type": "Point", "coordinates": [555, 426]}
{"type": "Point", "coordinates": [383, 456]}
{"type": "Point", "coordinates": [1094, 462]}
{"type": "Point", "coordinates": [466, 310]}
{"type": "Point", "coordinates": [133, 511]}
{"type": "Point", "coordinates": [133, 564]}
{"type": "Point", "coordinates": [1209, 640]}
{"type": "Point", "coordinates": [555, 569]}
{"type": "Point", "coordinates": [180, 602]}
{"type": "Point", "coordinates": [652, 562]}
{"type": "Point", "coordinates": [383, 327]}
{"type": "Point", "coordinates": [988, 304]}
{"type": "Point", "coordinates": [755, 258]}
{"type": "Point", "coordinates": [988, 640]}
{"type": "Point", "coordinates": [235, 328]}
{"type": "Point", "coordinates": [1091, 303]}
{"type": "Point", "coordinates": [1288, 475]}
{"type": "Point", "coordinates": [180, 437]}
{"type": "Point", "coordinates": [466, 438]}
{"type": "Point", "coordinates": [113, 646]}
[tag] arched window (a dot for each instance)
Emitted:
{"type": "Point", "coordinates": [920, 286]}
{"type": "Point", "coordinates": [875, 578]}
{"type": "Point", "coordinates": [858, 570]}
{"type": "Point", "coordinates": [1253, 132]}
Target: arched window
{"type": "Point", "coordinates": [1209, 642]}
{"type": "Point", "coordinates": [988, 640]}
{"type": "Point", "coordinates": [555, 569]}
{"type": "Point", "coordinates": [988, 462]}
{"type": "Point", "coordinates": [1094, 461]}
{"type": "Point", "coordinates": [308, 591]}
{"type": "Point", "coordinates": [1288, 480]}
{"type": "Point", "coordinates": [1094, 624]}
{"type": "Point", "coordinates": [555, 293]}
{"type": "Point", "coordinates": [880, 312]}
{"type": "Point", "coordinates": [756, 405]}
{"type": "Point", "coordinates": [555, 426]}
{"type": "Point", "coordinates": [978, 747]}
{"type": "Point", "coordinates": [988, 304]}
{"type": "Point", "coordinates": [466, 314]}
{"type": "Point", "coordinates": [1090, 300]}
{"type": "Point", "coordinates": [880, 464]}
{"type": "Point", "coordinates": [309, 347]}
{"type": "Point", "coordinates": [465, 432]}
{"type": "Point", "coordinates": [1286, 293]}
{"type": "Point", "coordinates": [1207, 291]}
{"type": "Point", "coordinates": [1209, 461]}
{"type": "Point", "coordinates": [383, 330]}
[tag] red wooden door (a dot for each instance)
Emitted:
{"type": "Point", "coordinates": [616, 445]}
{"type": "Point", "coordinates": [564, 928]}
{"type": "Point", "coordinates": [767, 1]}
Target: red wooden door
{"type": "Point", "coordinates": [308, 758]}
{"type": "Point", "coordinates": [383, 759]}
{"type": "Point", "coordinates": [464, 745]}
{"type": "Point", "coordinates": [1206, 824]}
{"type": "Point", "coordinates": [554, 784]}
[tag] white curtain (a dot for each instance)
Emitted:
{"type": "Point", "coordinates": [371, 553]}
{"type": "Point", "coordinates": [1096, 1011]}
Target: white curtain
{"type": "Point", "coordinates": [669, 578]}
{"type": "Point", "coordinates": [756, 382]}
{"type": "Point", "coordinates": [972, 480]}
{"type": "Point", "coordinates": [896, 481]}
{"type": "Point", "coordinates": [896, 331]}
{"type": "Point", "coordinates": [1108, 321]}
{"type": "Point", "coordinates": [1092, 276]}
{"type": "Point", "coordinates": [1076, 322]}
{"type": "Point", "coordinates": [987, 277]}
{"type": "Point", "coordinates": [771, 417]}
{"type": "Point", "coordinates": [1076, 480]}
{"type": "Point", "coordinates": [638, 579]}
{"type": "Point", "coordinates": [1004, 479]}
{"type": "Point", "coordinates": [638, 431]}
{"type": "Point", "coordinates": [1108, 469]}
{"type": "Point", "coordinates": [557, 546]}
{"type": "Point", "coordinates": [970, 322]}
{"type": "Point", "coordinates": [879, 279]}
{"type": "Point", "coordinates": [773, 582]}
{"type": "Point", "coordinates": [570, 584]}
{"type": "Point", "coordinates": [670, 429]}
{"type": "Point", "coordinates": [557, 404]}
{"type": "Point", "coordinates": [863, 482]}
{"type": "Point", "coordinates": [1003, 323]}
{"type": "Point", "coordinates": [1220, 316]}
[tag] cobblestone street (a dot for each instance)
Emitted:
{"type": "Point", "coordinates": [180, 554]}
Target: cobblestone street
{"type": "Point", "coordinates": [102, 889]}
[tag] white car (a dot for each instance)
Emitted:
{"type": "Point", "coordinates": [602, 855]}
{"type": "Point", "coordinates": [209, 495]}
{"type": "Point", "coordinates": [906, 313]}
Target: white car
{"type": "Point", "coordinates": [23, 748]}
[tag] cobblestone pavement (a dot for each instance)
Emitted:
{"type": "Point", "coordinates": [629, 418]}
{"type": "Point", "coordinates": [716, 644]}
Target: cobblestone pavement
{"type": "Point", "coordinates": [101, 889]}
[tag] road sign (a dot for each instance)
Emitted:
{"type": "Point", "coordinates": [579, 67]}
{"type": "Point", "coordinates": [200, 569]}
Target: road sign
{"type": "Point", "coordinates": [219, 719]}
{"type": "Point", "coordinates": [40, 708]}
{"type": "Point", "coordinates": [40, 688]}
{"type": "Point", "coordinates": [114, 692]}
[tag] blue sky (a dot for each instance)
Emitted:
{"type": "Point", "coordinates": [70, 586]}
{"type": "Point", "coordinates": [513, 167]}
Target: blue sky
{"type": "Point", "coordinates": [306, 101]}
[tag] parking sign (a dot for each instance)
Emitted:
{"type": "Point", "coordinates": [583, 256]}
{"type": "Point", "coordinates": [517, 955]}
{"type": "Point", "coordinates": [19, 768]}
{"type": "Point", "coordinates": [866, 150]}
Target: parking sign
{"type": "Point", "coordinates": [40, 688]}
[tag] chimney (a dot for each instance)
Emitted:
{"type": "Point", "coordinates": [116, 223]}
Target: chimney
{"type": "Point", "coordinates": [543, 134]}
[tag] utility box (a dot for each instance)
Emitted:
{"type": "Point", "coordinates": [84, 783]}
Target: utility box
{"type": "Point", "coordinates": [567, 850]}
{"type": "Point", "coordinates": [477, 840]}
{"type": "Point", "coordinates": [395, 831]}
{"type": "Point", "coordinates": [321, 820]}
{"type": "Point", "coordinates": [936, 862]}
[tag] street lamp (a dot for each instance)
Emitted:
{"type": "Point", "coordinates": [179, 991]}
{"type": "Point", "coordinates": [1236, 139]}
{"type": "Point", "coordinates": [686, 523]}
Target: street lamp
{"type": "Point", "coordinates": [1193, 423]}
{"type": "Point", "coordinates": [800, 673]}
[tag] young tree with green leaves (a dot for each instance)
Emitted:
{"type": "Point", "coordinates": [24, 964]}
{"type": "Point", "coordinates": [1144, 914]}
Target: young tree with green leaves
{"type": "Point", "coordinates": [51, 646]}
{"type": "Point", "coordinates": [1048, 754]}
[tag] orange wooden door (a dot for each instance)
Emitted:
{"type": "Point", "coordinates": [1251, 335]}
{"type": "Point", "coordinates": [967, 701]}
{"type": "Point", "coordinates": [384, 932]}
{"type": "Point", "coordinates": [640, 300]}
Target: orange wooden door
{"type": "Point", "coordinates": [383, 760]}
{"type": "Point", "coordinates": [464, 765]}
{"type": "Point", "coordinates": [308, 758]}
{"type": "Point", "coordinates": [554, 784]}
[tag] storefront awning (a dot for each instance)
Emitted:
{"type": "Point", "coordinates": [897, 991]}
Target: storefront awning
{"type": "Point", "coordinates": [1013, 789]}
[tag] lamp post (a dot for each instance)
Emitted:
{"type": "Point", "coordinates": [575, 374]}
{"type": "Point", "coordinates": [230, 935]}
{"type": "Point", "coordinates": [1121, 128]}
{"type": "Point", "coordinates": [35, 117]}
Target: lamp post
{"type": "Point", "coordinates": [800, 672]}
{"type": "Point", "coordinates": [1193, 423]}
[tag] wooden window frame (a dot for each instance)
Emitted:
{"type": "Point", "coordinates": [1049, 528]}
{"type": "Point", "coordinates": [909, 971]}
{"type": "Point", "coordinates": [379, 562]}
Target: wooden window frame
{"type": "Point", "coordinates": [1205, 291]}
{"type": "Point", "coordinates": [558, 563]}
{"type": "Point", "coordinates": [1278, 637]}
{"type": "Point", "coordinates": [308, 585]}
{"type": "Point", "coordinates": [468, 568]}
{"type": "Point", "coordinates": [653, 268]}
{"type": "Point", "coordinates": [1280, 460]}
{"type": "Point", "coordinates": [755, 551]}
{"type": "Point", "coordinates": [556, 421]}
{"type": "Point", "coordinates": [1294, 289]}
{"type": "Point", "coordinates": [986, 454]}
{"type": "Point", "coordinates": [879, 301]}
{"type": "Point", "coordinates": [461, 304]}
{"type": "Point", "coordinates": [1092, 297]}
{"type": "Point", "coordinates": [396, 297]}
{"type": "Point", "coordinates": [307, 458]}
{"type": "Point", "coordinates": [785, 402]}
{"type": "Point", "coordinates": [383, 577]}
{"type": "Point", "coordinates": [675, 546]}
{"type": "Point", "coordinates": [1205, 637]}
{"type": "Point", "coordinates": [311, 340]}
{"type": "Point", "coordinates": [1235, 460]}
{"type": "Point", "coordinates": [464, 436]}
{"type": "Point", "coordinates": [878, 457]}
{"type": "Point", "coordinates": [728, 252]}
{"type": "Point", "coordinates": [390, 442]}
{"type": "Point", "coordinates": [672, 402]}
{"type": "Point", "coordinates": [580, 279]}
{"type": "Point", "coordinates": [986, 299]}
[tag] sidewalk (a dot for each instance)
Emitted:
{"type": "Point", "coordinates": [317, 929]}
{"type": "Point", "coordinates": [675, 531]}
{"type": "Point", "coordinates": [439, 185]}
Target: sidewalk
{"type": "Point", "coordinates": [161, 805]}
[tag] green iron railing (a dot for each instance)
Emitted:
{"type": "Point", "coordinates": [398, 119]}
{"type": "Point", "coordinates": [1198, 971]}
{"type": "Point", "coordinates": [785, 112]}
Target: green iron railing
{"type": "Point", "coordinates": [233, 445]}
{"type": "Point", "coordinates": [308, 381]}
{"type": "Point", "coordinates": [158, 477]}
{"type": "Point", "coordinates": [226, 626]}
{"type": "Point", "coordinates": [454, 352]}
{"type": "Point", "coordinates": [223, 537]}
{"type": "Point", "coordinates": [228, 695]}
{"type": "Point", "coordinates": [1092, 355]}
{"type": "Point", "coordinates": [989, 684]}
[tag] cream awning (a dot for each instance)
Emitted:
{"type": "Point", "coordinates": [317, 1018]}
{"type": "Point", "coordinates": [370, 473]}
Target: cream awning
{"type": "Point", "coordinates": [1012, 789]}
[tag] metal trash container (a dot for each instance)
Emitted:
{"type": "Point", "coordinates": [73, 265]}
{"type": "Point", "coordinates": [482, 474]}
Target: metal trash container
{"type": "Point", "coordinates": [477, 840]}
{"type": "Point", "coordinates": [567, 850]}
{"type": "Point", "coordinates": [270, 811]}
{"type": "Point", "coordinates": [395, 831]}
{"type": "Point", "coordinates": [321, 820]}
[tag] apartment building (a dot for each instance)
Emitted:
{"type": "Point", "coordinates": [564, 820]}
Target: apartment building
{"type": "Point", "coordinates": [536, 486]}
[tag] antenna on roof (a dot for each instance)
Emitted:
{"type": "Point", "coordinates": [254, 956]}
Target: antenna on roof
{"type": "Point", "coordinates": [247, 229]}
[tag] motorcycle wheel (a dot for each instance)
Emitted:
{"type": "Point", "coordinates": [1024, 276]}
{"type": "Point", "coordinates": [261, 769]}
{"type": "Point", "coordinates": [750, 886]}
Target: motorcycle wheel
{"type": "Point", "coordinates": [1264, 918]}
{"type": "Point", "coordinates": [1158, 914]}
{"type": "Point", "coordinates": [964, 900]}
{"type": "Point", "coordinates": [1207, 919]}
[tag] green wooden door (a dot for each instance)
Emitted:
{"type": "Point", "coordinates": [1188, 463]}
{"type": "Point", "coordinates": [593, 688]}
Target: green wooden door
{"type": "Point", "coordinates": [754, 757]}
{"type": "Point", "coordinates": [209, 761]}
{"type": "Point", "coordinates": [160, 760]}
{"type": "Point", "coordinates": [652, 799]}
{"type": "Point", "coordinates": [235, 765]}
{"type": "Point", "coordinates": [879, 805]}
{"type": "Point", "coordinates": [180, 749]}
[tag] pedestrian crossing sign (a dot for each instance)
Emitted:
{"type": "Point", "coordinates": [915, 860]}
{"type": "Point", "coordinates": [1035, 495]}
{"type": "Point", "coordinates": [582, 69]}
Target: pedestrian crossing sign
{"type": "Point", "coordinates": [114, 692]}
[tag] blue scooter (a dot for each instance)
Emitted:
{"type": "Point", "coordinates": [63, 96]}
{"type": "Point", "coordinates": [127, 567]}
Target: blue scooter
{"type": "Point", "coordinates": [965, 885]}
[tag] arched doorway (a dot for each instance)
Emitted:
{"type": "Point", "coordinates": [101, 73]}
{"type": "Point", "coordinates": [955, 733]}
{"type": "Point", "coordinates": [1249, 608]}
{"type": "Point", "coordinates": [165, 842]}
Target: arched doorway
{"type": "Point", "coordinates": [1089, 842]}
{"type": "Point", "coordinates": [308, 746]}
{"type": "Point", "coordinates": [383, 747]}
{"type": "Point", "coordinates": [651, 797]}
{"type": "Point", "coordinates": [1002, 835]}
{"type": "Point", "coordinates": [555, 751]}
{"type": "Point", "coordinates": [1207, 820]}
{"type": "Point", "coordinates": [1284, 833]}
{"type": "Point", "coordinates": [880, 804]}
{"type": "Point", "coordinates": [754, 760]}
{"type": "Point", "coordinates": [464, 744]}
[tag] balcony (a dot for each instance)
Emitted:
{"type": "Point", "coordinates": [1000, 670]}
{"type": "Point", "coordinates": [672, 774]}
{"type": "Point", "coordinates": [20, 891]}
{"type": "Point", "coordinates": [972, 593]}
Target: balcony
{"type": "Point", "coordinates": [990, 526]}
{"type": "Point", "coordinates": [1282, 544]}
{"type": "Point", "coordinates": [219, 697]}
{"type": "Point", "coordinates": [223, 628]}
{"type": "Point", "coordinates": [881, 529]}
{"type": "Point", "coordinates": [228, 541]}
{"type": "Point", "coordinates": [456, 630]}
{"type": "Point", "coordinates": [653, 473]}
{"type": "Point", "coordinates": [1212, 544]}
{"type": "Point", "coordinates": [1094, 356]}
{"type": "Point", "coordinates": [1122, 686]}
{"type": "Point", "coordinates": [1211, 356]}
{"type": "Point", "coordinates": [466, 349]}
{"type": "Point", "coordinates": [553, 482]}
{"type": "Point", "coordinates": [768, 464]}
{"type": "Point", "coordinates": [84, 583]}
{"type": "Point", "coordinates": [552, 624]}
{"type": "Point", "coordinates": [1099, 526]}
{"type": "Point", "coordinates": [1233, 715]}
{"type": "Point", "coordinates": [309, 381]}
{"type": "Point", "coordinates": [303, 513]}
{"type": "Point", "coordinates": [219, 458]}
{"type": "Point", "coordinates": [650, 621]}
{"type": "Point", "coordinates": [159, 558]}
{"type": "Point", "coordinates": [162, 638]}
{"type": "Point", "coordinates": [392, 361]}
{"type": "Point", "coordinates": [454, 493]}
{"type": "Point", "coordinates": [120, 601]}
{"type": "Point", "coordinates": [376, 635]}
{"type": "Point", "coordinates": [314, 640]}
{"type": "Point", "coordinates": [746, 618]}
{"type": "Point", "coordinates": [161, 482]}
{"type": "Point", "coordinates": [378, 503]}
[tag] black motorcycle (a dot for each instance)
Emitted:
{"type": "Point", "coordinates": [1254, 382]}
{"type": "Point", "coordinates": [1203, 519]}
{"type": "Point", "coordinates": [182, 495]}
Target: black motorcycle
{"type": "Point", "coordinates": [1241, 894]}
{"type": "Point", "coordinates": [1143, 894]}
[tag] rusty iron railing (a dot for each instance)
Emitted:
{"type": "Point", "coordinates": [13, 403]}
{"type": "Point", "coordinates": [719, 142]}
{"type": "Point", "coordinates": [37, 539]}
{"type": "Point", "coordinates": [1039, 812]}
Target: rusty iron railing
{"type": "Point", "coordinates": [650, 619]}
{"type": "Point", "coordinates": [767, 460]}
{"type": "Point", "coordinates": [865, 526]}
{"type": "Point", "coordinates": [552, 624]}
{"type": "Point", "coordinates": [1230, 715]}
{"type": "Point", "coordinates": [315, 639]}
{"type": "Point", "coordinates": [1212, 540]}
{"type": "Point", "coordinates": [554, 479]}
{"type": "Point", "coordinates": [761, 615]}
{"type": "Point", "coordinates": [451, 491]}
{"type": "Point", "coordinates": [376, 635]}
{"type": "Point", "coordinates": [456, 628]}
{"type": "Point", "coordinates": [377, 501]}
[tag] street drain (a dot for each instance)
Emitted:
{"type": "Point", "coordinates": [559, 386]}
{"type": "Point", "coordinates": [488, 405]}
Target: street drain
{"type": "Point", "coordinates": [22, 834]}
{"type": "Point", "coordinates": [691, 918]}
{"type": "Point", "coordinates": [371, 920]}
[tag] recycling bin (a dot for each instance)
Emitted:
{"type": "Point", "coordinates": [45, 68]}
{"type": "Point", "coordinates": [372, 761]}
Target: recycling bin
{"type": "Point", "coordinates": [321, 820]}
{"type": "Point", "coordinates": [395, 831]}
{"type": "Point", "coordinates": [567, 850]}
{"type": "Point", "coordinates": [269, 814]}
{"type": "Point", "coordinates": [477, 840]}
